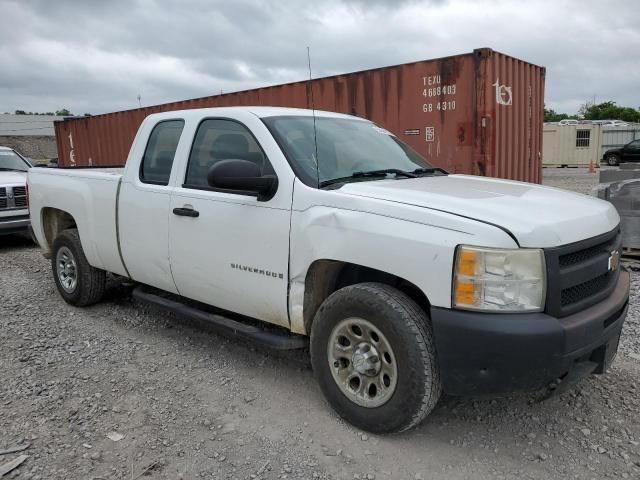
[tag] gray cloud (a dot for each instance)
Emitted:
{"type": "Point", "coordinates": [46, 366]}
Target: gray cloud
{"type": "Point", "coordinates": [97, 56]}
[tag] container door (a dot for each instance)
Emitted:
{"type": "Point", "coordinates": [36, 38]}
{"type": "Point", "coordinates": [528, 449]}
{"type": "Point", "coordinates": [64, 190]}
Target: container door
{"type": "Point", "coordinates": [230, 250]}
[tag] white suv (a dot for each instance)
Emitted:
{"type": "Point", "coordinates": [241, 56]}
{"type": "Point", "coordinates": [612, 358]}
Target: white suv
{"type": "Point", "coordinates": [14, 204]}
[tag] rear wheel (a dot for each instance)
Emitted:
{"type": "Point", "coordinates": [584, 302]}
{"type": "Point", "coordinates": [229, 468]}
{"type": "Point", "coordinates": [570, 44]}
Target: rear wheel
{"type": "Point", "coordinates": [613, 160]}
{"type": "Point", "coordinates": [373, 355]}
{"type": "Point", "coordinates": [78, 282]}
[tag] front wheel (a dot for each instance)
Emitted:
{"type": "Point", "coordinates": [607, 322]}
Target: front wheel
{"type": "Point", "coordinates": [613, 160]}
{"type": "Point", "coordinates": [373, 355]}
{"type": "Point", "coordinates": [78, 282]}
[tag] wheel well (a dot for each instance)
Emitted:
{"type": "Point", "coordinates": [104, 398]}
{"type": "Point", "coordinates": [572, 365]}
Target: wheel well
{"type": "Point", "coordinates": [55, 221]}
{"type": "Point", "coordinates": [327, 276]}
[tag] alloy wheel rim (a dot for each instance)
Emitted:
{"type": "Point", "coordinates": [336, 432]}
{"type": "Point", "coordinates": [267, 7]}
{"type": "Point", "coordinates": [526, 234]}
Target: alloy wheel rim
{"type": "Point", "coordinates": [67, 270]}
{"type": "Point", "coordinates": [362, 362]}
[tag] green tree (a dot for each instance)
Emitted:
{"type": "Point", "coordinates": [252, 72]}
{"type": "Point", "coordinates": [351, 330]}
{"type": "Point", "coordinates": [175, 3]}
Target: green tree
{"type": "Point", "coordinates": [64, 113]}
{"type": "Point", "coordinates": [551, 115]}
{"type": "Point", "coordinates": [609, 111]}
{"type": "Point", "coordinates": [20, 112]}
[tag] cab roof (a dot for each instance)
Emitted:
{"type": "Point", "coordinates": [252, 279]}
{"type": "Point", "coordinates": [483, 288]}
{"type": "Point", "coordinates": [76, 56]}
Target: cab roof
{"type": "Point", "coordinates": [261, 112]}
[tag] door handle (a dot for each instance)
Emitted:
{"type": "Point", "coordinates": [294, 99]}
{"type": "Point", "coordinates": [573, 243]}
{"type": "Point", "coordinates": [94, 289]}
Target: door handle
{"type": "Point", "coordinates": [186, 212]}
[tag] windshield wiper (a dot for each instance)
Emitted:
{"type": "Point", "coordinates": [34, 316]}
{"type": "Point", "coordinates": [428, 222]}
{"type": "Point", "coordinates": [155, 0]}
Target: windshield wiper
{"type": "Point", "coordinates": [429, 171]}
{"type": "Point", "coordinates": [386, 171]}
{"type": "Point", "coordinates": [6, 169]}
{"type": "Point", "coordinates": [370, 173]}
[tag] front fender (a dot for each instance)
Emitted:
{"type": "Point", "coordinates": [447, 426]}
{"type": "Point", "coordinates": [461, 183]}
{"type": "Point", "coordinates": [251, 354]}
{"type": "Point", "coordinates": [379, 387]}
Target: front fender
{"type": "Point", "coordinates": [419, 251]}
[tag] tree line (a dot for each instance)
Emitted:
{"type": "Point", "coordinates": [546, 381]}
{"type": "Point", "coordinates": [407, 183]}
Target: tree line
{"type": "Point", "coordinates": [588, 111]}
{"type": "Point", "coordinates": [596, 111]}
{"type": "Point", "coordinates": [60, 113]}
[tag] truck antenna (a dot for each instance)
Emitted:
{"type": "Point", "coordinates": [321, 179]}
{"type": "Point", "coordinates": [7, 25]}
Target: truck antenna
{"type": "Point", "coordinates": [313, 110]}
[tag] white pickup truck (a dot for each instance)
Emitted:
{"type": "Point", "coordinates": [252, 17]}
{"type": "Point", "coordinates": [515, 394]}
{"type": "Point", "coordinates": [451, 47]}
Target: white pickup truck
{"type": "Point", "coordinates": [14, 211]}
{"type": "Point", "coordinates": [408, 281]}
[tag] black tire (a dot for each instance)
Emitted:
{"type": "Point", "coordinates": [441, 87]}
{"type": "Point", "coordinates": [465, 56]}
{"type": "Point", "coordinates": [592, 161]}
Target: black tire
{"type": "Point", "coordinates": [90, 281]}
{"type": "Point", "coordinates": [408, 331]}
{"type": "Point", "coordinates": [613, 160]}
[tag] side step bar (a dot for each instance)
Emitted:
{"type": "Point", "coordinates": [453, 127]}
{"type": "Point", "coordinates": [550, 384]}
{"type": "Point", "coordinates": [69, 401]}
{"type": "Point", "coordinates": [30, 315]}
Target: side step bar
{"type": "Point", "coordinates": [223, 325]}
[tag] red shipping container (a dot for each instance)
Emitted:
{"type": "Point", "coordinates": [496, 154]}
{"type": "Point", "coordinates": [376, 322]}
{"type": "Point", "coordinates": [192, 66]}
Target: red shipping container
{"type": "Point", "coordinates": [479, 113]}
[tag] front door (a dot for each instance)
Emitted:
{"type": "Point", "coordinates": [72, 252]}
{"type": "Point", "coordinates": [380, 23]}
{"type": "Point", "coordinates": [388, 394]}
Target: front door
{"type": "Point", "coordinates": [230, 250]}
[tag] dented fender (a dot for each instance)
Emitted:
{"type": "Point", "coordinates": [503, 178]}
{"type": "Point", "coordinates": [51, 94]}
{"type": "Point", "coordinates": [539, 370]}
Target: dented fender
{"type": "Point", "coordinates": [411, 242]}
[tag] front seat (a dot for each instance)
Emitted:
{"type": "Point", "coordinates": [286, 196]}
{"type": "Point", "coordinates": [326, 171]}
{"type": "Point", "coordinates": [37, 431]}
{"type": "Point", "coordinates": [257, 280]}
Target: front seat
{"type": "Point", "coordinates": [230, 146]}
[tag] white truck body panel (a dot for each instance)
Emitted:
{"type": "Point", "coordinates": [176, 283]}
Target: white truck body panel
{"type": "Point", "coordinates": [233, 229]}
{"type": "Point", "coordinates": [409, 228]}
{"type": "Point", "coordinates": [335, 225]}
{"type": "Point", "coordinates": [553, 217]}
{"type": "Point", "coordinates": [90, 197]}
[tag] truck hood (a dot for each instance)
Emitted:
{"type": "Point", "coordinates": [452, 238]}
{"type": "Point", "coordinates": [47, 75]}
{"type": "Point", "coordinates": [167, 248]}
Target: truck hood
{"type": "Point", "coordinates": [536, 216]}
{"type": "Point", "coordinates": [13, 178]}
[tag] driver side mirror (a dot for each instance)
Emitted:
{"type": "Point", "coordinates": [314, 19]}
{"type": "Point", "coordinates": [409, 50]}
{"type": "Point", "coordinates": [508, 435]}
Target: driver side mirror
{"type": "Point", "coordinates": [242, 176]}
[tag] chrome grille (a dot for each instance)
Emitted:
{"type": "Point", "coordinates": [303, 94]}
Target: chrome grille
{"type": "Point", "coordinates": [13, 198]}
{"type": "Point", "coordinates": [20, 197]}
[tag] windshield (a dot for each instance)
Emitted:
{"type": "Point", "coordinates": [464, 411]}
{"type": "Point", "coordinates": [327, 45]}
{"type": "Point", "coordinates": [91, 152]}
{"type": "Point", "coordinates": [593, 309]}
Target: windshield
{"type": "Point", "coordinates": [344, 147]}
{"type": "Point", "coordinates": [10, 160]}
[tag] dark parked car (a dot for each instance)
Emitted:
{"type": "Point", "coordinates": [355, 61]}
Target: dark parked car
{"type": "Point", "coordinates": [629, 153]}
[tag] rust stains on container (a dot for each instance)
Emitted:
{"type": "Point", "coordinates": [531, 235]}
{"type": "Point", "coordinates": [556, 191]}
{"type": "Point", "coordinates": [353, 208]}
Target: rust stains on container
{"type": "Point", "coordinates": [479, 113]}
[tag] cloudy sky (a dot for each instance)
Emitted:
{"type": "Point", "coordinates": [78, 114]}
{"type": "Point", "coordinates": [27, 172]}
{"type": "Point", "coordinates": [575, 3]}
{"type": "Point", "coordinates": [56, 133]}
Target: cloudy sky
{"type": "Point", "coordinates": [97, 56]}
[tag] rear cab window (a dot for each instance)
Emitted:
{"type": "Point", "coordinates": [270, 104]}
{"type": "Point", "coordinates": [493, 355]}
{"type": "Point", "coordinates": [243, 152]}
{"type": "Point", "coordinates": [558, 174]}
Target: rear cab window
{"type": "Point", "coordinates": [157, 160]}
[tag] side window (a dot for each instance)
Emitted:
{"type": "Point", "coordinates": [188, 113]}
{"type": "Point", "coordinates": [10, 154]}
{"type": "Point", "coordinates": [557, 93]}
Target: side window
{"type": "Point", "coordinates": [635, 145]}
{"type": "Point", "coordinates": [218, 140]}
{"type": "Point", "coordinates": [161, 148]}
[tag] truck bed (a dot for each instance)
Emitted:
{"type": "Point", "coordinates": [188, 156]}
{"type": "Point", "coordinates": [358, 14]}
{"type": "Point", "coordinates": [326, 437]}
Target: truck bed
{"type": "Point", "coordinates": [89, 195]}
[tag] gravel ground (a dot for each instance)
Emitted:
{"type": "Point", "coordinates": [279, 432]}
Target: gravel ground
{"type": "Point", "coordinates": [190, 404]}
{"type": "Point", "coordinates": [576, 179]}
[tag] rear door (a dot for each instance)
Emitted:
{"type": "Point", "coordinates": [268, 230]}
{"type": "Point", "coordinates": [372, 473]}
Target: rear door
{"type": "Point", "coordinates": [232, 250]}
{"type": "Point", "coordinates": [143, 208]}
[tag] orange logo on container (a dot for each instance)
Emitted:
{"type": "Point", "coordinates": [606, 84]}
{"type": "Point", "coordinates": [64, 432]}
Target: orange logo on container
{"type": "Point", "coordinates": [503, 94]}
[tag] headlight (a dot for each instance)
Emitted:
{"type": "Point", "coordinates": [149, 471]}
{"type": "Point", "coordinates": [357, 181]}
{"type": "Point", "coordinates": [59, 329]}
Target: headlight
{"type": "Point", "coordinates": [510, 280]}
